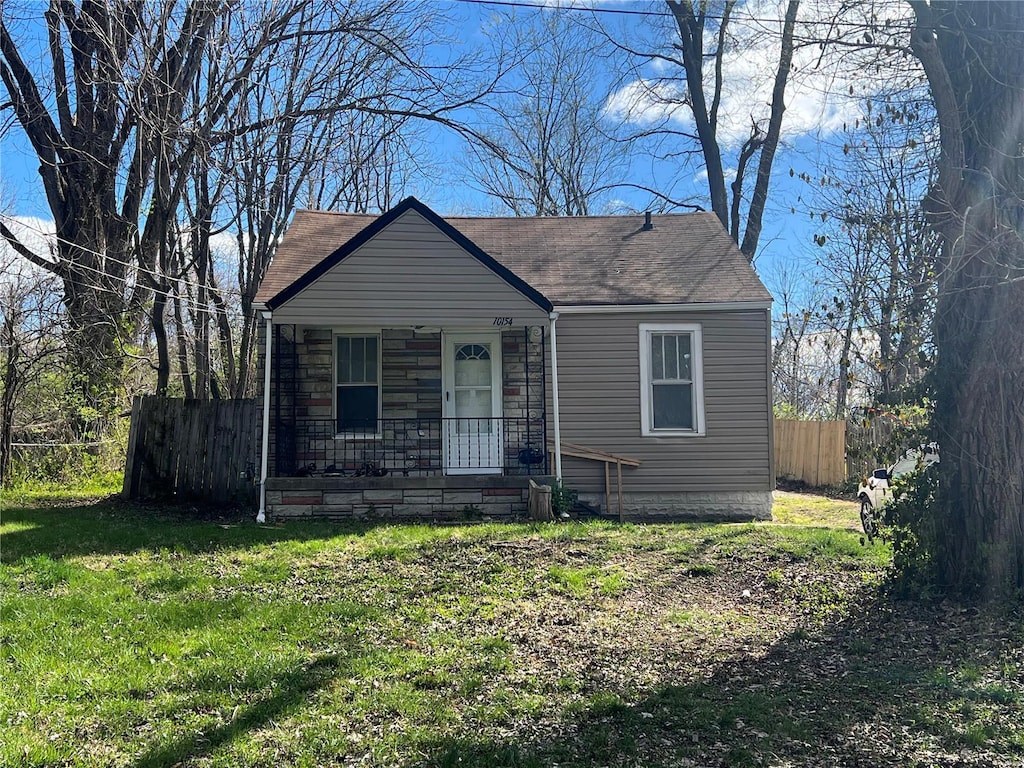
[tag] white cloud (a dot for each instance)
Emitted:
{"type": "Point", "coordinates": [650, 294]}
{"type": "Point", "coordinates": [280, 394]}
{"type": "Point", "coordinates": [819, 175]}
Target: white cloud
{"type": "Point", "coordinates": [17, 273]}
{"type": "Point", "coordinates": [646, 102]}
{"type": "Point", "coordinates": [702, 175]}
{"type": "Point", "coordinates": [34, 233]}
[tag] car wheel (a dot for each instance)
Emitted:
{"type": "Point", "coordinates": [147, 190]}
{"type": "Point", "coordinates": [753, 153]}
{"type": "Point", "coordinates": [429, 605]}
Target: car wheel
{"type": "Point", "coordinates": [867, 519]}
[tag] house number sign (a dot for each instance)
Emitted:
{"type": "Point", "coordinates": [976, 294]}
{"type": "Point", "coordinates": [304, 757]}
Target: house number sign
{"type": "Point", "coordinates": [503, 321]}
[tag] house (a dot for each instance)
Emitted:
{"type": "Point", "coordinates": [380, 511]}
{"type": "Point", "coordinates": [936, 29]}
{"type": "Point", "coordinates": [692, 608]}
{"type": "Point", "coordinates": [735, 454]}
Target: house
{"type": "Point", "coordinates": [420, 366]}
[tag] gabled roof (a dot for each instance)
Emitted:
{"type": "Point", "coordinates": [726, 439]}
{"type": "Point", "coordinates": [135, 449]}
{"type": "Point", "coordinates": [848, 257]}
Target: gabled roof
{"type": "Point", "coordinates": [585, 260]}
{"type": "Point", "coordinates": [376, 225]}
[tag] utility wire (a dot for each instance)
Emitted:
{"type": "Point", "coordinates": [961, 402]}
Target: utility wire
{"type": "Point", "coordinates": [106, 257]}
{"type": "Point", "coordinates": [570, 6]}
{"type": "Point", "coordinates": [893, 23]}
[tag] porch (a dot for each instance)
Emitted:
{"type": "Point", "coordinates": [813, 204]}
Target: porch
{"type": "Point", "coordinates": [405, 422]}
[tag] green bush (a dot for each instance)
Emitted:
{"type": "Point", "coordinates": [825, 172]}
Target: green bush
{"type": "Point", "coordinates": [563, 499]}
{"type": "Point", "coordinates": [909, 521]}
{"type": "Point", "coordinates": [96, 469]}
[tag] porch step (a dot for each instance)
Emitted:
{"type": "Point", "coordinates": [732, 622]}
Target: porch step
{"type": "Point", "coordinates": [584, 511]}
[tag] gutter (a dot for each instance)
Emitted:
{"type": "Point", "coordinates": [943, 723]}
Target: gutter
{"type": "Point", "coordinates": [261, 516]}
{"type": "Point", "coordinates": [553, 317]}
{"type": "Point", "coordinates": [708, 306]}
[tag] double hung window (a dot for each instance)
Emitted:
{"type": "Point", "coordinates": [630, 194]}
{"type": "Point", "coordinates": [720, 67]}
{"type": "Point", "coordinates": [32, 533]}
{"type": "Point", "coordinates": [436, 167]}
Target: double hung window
{"type": "Point", "coordinates": [671, 386]}
{"type": "Point", "coordinates": [357, 383]}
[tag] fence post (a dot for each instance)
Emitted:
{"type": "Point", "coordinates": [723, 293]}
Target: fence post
{"type": "Point", "coordinates": [128, 485]}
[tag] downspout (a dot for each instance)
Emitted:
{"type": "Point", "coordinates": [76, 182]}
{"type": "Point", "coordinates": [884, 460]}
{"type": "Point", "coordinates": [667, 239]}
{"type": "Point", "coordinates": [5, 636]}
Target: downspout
{"type": "Point", "coordinates": [261, 516]}
{"type": "Point", "coordinates": [554, 398]}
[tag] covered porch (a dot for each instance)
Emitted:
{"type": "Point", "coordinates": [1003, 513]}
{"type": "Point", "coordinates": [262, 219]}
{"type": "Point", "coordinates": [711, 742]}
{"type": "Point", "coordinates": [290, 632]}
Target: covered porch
{"type": "Point", "coordinates": [405, 422]}
{"type": "Point", "coordinates": [405, 360]}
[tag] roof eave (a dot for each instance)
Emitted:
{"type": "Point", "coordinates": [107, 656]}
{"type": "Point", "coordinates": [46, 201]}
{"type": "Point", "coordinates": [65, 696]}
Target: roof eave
{"type": "Point", "coordinates": [696, 306]}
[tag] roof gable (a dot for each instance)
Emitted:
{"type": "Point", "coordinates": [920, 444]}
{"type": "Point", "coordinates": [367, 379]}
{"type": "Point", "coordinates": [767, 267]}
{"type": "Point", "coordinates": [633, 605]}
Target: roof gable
{"type": "Point", "coordinates": [380, 224]}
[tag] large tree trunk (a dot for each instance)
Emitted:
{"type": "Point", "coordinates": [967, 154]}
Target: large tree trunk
{"type": "Point", "coordinates": [971, 54]}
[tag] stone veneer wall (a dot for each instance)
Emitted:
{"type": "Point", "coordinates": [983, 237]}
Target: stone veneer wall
{"type": "Point", "coordinates": [522, 373]}
{"type": "Point", "coordinates": [475, 497]}
{"type": "Point", "coordinates": [399, 498]}
{"type": "Point", "coordinates": [735, 506]}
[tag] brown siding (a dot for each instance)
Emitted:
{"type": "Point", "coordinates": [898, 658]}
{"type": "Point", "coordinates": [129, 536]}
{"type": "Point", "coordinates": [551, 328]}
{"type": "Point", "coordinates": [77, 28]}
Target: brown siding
{"type": "Point", "coordinates": [410, 273]}
{"type": "Point", "coordinates": [599, 398]}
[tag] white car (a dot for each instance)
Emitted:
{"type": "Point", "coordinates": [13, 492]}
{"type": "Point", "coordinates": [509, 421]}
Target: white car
{"type": "Point", "coordinates": [876, 491]}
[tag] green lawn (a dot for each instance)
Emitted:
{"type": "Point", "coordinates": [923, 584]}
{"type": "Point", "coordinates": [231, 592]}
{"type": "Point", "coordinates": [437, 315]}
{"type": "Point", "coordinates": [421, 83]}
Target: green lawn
{"type": "Point", "coordinates": [132, 637]}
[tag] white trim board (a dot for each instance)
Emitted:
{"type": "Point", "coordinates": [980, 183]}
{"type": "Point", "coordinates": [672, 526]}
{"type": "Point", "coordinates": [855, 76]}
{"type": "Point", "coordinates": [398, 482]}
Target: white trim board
{"type": "Point", "coordinates": [695, 330]}
{"type": "Point", "coordinates": [711, 306]}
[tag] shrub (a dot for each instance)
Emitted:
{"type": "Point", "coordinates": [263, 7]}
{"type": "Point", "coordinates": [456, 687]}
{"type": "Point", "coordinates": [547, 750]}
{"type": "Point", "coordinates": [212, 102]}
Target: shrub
{"type": "Point", "coordinates": [910, 524]}
{"type": "Point", "coordinates": [562, 499]}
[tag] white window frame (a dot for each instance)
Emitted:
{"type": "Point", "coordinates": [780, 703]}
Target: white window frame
{"type": "Point", "coordinates": [647, 330]}
{"type": "Point", "coordinates": [357, 333]}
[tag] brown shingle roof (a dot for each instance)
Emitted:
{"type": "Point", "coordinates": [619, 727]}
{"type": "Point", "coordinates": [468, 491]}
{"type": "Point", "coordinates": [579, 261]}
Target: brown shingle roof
{"type": "Point", "coordinates": [685, 258]}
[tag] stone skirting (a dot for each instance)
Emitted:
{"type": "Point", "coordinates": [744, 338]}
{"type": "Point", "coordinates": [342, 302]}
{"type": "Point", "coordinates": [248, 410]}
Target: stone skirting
{"type": "Point", "coordinates": [493, 497]}
{"type": "Point", "coordinates": [453, 497]}
{"type": "Point", "coordinates": [732, 506]}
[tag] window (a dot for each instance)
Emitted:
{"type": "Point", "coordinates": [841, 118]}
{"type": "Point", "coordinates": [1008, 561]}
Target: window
{"type": "Point", "coordinates": [357, 383]}
{"type": "Point", "coordinates": [671, 379]}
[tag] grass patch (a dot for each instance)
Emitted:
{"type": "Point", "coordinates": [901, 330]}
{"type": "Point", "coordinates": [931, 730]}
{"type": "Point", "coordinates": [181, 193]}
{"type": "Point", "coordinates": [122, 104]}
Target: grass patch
{"type": "Point", "coordinates": [820, 511]}
{"type": "Point", "coordinates": [131, 636]}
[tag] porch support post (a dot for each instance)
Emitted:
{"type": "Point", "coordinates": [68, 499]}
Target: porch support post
{"type": "Point", "coordinates": [261, 516]}
{"type": "Point", "coordinates": [554, 398]}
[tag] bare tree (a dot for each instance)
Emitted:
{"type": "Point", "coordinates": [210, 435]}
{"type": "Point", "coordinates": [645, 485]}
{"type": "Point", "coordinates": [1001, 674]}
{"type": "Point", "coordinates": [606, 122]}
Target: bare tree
{"type": "Point", "coordinates": [544, 151]}
{"type": "Point", "coordinates": [133, 101]}
{"type": "Point", "coordinates": [877, 254]}
{"type": "Point", "coordinates": [344, 141]}
{"type": "Point", "coordinates": [971, 55]}
{"type": "Point", "coordinates": [96, 114]}
{"type": "Point", "coordinates": [30, 313]}
{"type": "Point", "coordinates": [796, 368]}
{"type": "Point", "coordinates": [691, 76]}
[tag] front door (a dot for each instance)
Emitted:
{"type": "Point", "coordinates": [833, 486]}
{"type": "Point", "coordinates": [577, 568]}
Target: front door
{"type": "Point", "coordinates": [471, 384]}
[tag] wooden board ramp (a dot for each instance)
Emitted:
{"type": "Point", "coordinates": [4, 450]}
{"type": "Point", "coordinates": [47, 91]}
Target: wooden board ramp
{"type": "Point", "coordinates": [608, 459]}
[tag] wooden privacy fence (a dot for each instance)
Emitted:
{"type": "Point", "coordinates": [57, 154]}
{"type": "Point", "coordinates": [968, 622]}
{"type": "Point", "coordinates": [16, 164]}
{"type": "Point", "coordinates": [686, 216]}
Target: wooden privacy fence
{"type": "Point", "coordinates": [811, 451]}
{"type": "Point", "coordinates": [202, 450]}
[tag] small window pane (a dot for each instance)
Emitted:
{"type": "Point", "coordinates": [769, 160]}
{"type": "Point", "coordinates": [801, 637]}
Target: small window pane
{"type": "Point", "coordinates": [657, 357]}
{"type": "Point", "coordinates": [683, 343]}
{"type": "Point", "coordinates": [473, 373]}
{"type": "Point", "coordinates": [473, 403]}
{"type": "Point", "coordinates": [673, 406]}
{"type": "Point", "coordinates": [371, 360]}
{"type": "Point", "coordinates": [344, 360]}
{"type": "Point", "coordinates": [358, 362]}
{"type": "Point", "coordinates": [671, 359]}
{"type": "Point", "coordinates": [357, 408]}
{"type": "Point", "coordinates": [473, 352]}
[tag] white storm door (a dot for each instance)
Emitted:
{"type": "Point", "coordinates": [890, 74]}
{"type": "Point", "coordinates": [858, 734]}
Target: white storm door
{"type": "Point", "coordinates": [471, 404]}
